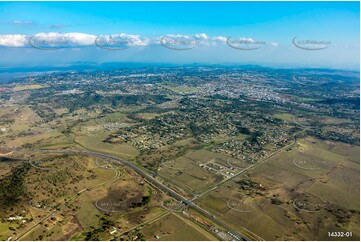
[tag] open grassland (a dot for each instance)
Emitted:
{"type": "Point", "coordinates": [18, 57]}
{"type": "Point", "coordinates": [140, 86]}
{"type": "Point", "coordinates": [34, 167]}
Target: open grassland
{"type": "Point", "coordinates": [180, 89]}
{"type": "Point", "coordinates": [92, 134]}
{"type": "Point", "coordinates": [28, 130]}
{"type": "Point", "coordinates": [49, 182]}
{"type": "Point", "coordinates": [28, 87]}
{"type": "Point", "coordinates": [187, 175]}
{"type": "Point", "coordinates": [95, 142]}
{"type": "Point", "coordinates": [79, 197]}
{"type": "Point", "coordinates": [306, 191]}
{"type": "Point", "coordinates": [4, 228]}
{"type": "Point", "coordinates": [175, 228]}
{"type": "Point", "coordinates": [198, 170]}
{"type": "Point", "coordinates": [284, 116]}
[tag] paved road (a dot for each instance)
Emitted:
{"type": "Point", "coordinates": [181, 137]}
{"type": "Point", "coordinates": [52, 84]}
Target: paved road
{"type": "Point", "coordinates": [245, 170]}
{"type": "Point", "coordinates": [172, 193]}
{"type": "Point", "coordinates": [116, 176]}
{"type": "Point", "coordinates": [50, 214]}
{"type": "Point", "coordinates": [248, 168]}
{"type": "Point", "coordinates": [252, 166]}
{"type": "Point", "coordinates": [236, 235]}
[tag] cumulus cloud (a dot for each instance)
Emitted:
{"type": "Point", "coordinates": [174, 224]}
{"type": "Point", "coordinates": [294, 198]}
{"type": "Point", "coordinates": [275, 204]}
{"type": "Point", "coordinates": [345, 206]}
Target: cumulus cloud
{"type": "Point", "coordinates": [54, 39]}
{"type": "Point", "coordinates": [241, 40]}
{"type": "Point", "coordinates": [220, 38]}
{"type": "Point", "coordinates": [202, 36]}
{"type": "Point", "coordinates": [13, 40]}
{"type": "Point", "coordinates": [177, 36]}
{"type": "Point", "coordinates": [201, 39]}
{"type": "Point", "coordinates": [247, 39]}
{"type": "Point", "coordinates": [68, 39]}
{"type": "Point", "coordinates": [126, 39]}
{"type": "Point", "coordinates": [75, 40]}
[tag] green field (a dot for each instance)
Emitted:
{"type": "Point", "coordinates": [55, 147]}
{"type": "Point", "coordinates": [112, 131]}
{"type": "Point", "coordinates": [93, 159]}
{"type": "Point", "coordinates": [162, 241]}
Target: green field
{"type": "Point", "coordinates": [175, 228]}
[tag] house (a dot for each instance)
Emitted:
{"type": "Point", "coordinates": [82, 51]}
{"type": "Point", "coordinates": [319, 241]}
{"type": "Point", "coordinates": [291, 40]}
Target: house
{"type": "Point", "coordinates": [15, 218]}
{"type": "Point", "coordinates": [113, 231]}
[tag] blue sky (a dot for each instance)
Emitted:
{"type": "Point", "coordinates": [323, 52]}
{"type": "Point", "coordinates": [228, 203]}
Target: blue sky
{"type": "Point", "coordinates": [275, 23]}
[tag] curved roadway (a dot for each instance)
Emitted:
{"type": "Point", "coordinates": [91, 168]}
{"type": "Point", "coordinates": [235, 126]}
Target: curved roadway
{"type": "Point", "coordinates": [235, 234]}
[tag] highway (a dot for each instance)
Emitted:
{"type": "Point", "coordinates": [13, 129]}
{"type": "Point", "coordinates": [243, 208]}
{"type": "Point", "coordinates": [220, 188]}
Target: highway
{"type": "Point", "coordinates": [251, 167]}
{"type": "Point", "coordinates": [235, 234]}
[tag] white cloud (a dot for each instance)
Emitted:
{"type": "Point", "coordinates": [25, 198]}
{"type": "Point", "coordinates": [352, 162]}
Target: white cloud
{"type": "Point", "coordinates": [177, 36]}
{"type": "Point", "coordinates": [57, 39]}
{"type": "Point", "coordinates": [68, 39]}
{"type": "Point", "coordinates": [220, 38]}
{"type": "Point", "coordinates": [201, 39]}
{"type": "Point", "coordinates": [202, 36]}
{"type": "Point", "coordinates": [247, 39]}
{"type": "Point", "coordinates": [13, 40]}
{"type": "Point", "coordinates": [129, 39]}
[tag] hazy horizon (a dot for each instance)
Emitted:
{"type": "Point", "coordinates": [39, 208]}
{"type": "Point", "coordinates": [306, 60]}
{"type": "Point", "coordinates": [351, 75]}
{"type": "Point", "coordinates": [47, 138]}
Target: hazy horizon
{"type": "Point", "coordinates": [276, 34]}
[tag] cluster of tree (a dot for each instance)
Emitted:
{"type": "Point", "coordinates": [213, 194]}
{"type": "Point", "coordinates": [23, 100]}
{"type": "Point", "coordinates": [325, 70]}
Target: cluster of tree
{"type": "Point", "coordinates": [255, 136]}
{"type": "Point", "coordinates": [93, 234]}
{"type": "Point", "coordinates": [145, 201]}
{"type": "Point", "coordinates": [334, 136]}
{"type": "Point", "coordinates": [89, 98]}
{"type": "Point", "coordinates": [58, 177]}
{"type": "Point", "coordinates": [202, 129]}
{"type": "Point", "coordinates": [350, 103]}
{"type": "Point", "coordinates": [247, 184]}
{"type": "Point", "coordinates": [12, 187]}
{"type": "Point", "coordinates": [276, 201]}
